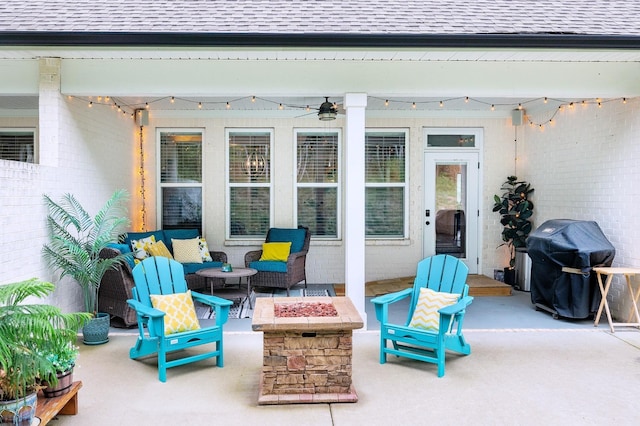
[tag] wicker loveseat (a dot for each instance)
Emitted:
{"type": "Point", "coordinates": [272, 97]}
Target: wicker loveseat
{"type": "Point", "coordinates": [116, 284]}
{"type": "Point", "coordinates": [281, 274]}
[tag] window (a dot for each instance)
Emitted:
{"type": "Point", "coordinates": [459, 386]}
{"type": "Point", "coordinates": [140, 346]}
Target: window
{"type": "Point", "coordinates": [180, 167]}
{"type": "Point", "coordinates": [249, 174]}
{"type": "Point", "coordinates": [386, 188]}
{"type": "Point", "coordinates": [317, 184]}
{"type": "Point", "coordinates": [17, 145]}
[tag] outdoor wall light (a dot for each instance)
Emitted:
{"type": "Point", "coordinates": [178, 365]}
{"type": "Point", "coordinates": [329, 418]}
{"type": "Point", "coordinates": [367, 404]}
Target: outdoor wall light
{"type": "Point", "coordinates": [327, 111]}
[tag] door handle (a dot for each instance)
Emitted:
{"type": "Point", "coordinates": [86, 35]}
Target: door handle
{"type": "Point", "coordinates": [427, 223]}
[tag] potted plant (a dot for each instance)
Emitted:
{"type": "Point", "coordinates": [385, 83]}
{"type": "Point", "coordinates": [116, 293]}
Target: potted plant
{"type": "Point", "coordinates": [515, 209]}
{"type": "Point", "coordinates": [62, 353]}
{"type": "Point", "coordinates": [26, 331]}
{"type": "Point", "coordinates": [76, 240]}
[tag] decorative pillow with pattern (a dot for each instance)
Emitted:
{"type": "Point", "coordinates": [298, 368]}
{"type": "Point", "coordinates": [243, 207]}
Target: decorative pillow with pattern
{"type": "Point", "coordinates": [426, 314]}
{"type": "Point", "coordinates": [140, 247]}
{"type": "Point", "coordinates": [276, 251]}
{"type": "Point", "coordinates": [187, 251]}
{"type": "Point", "coordinates": [180, 313]}
{"type": "Point", "coordinates": [204, 250]}
{"type": "Point", "coordinates": [159, 249]}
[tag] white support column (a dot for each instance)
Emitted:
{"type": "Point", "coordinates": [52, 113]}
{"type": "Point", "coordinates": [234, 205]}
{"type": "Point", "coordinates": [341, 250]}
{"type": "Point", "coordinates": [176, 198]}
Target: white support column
{"type": "Point", "coordinates": [355, 104]}
{"type": "Point", "coordinates": [50, 104]}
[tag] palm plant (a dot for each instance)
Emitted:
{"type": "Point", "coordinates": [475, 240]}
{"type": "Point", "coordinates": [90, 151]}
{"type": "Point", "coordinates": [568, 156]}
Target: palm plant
{"type": "Point", "coordinates": [27, 332]}
{"type": "Point", "coordinates": [77, 239]}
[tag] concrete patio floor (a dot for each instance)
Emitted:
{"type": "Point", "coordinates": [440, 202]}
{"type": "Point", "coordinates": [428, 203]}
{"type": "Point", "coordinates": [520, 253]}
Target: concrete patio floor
{"type": "Point", "coordinates": [526, 368]}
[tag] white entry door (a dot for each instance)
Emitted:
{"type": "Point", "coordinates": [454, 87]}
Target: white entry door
{"type": "Point", "coordinates": [450, 219]}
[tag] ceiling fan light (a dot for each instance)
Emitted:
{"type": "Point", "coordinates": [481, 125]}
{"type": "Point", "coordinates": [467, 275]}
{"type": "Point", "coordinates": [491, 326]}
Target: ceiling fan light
{"type": "Point", "coordinates": [327, 111]}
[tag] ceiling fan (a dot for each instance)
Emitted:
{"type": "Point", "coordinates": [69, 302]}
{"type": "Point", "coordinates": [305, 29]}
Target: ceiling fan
{"type": "Point", "coordinates": [327, 111]}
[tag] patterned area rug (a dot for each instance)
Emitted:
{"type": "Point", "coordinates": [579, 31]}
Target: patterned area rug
{"type": "Point", "coordinates": [240, 308]}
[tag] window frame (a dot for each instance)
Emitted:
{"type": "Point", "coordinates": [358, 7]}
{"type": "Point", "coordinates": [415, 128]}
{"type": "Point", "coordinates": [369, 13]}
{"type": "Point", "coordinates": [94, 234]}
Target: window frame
{"type": "Point", "coordinates": [34, 133]}
{"type": "Point", "coordinates": [337, 184]}
{"type": "Point", "coordinates": [228, 184]}
{"type": "Point", "coordinates": [161, 185]}
{"type": "Point", "coordinates": [405, 184]}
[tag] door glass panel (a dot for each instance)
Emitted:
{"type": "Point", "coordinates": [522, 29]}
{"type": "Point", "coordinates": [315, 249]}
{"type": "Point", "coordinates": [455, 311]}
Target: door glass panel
{"type": "Point", "coordinates": [451, 141]}
{"type": "Point", "coordinates": [451, 196]}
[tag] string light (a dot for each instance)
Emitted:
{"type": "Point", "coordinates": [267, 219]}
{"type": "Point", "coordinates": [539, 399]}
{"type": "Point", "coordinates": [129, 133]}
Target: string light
{"type": "Point", "coordinates": [126, 108]}
{"type": "Point", "coordinates": [143, 207]}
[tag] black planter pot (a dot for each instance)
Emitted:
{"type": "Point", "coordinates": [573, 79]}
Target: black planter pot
{"type": "Point", "coordinates": [510, 276]}
{"type": "Point", "coordinates": [96, 331]}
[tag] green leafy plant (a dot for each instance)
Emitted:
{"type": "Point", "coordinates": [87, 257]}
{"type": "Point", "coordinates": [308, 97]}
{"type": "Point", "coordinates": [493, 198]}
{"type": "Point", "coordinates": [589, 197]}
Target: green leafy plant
{"type": "Point", "coordinates": [515, 209]}
{"type": "Point", "coordinates": [27, 334]}
{"type": "Point", "coordinates": [62, 355]}
{"type": "Point", "coordinates": [77, 239]}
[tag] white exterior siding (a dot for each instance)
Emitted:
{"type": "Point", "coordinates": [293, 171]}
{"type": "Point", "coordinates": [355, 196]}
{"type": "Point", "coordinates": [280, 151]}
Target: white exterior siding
{"type": "Point", "coordinates": [585, 166]}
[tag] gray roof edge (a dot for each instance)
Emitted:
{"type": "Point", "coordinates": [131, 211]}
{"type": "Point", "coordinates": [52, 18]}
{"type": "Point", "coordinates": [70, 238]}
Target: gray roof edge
{"type": "Point", "coordinates": [323, 40]}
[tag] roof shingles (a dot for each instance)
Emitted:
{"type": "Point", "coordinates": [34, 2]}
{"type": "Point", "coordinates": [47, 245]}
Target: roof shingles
{"type": "Point", "coordinates": [595, 17]}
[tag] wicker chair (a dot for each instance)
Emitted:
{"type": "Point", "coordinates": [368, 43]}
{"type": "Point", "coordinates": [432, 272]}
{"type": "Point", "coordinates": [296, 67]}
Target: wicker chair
{"type": "Point", "coordinates": [116, 285]}
{"type": "Point", "coordinates": [115, 289]}
{"type": "Point", "coordinates": [295, 265]}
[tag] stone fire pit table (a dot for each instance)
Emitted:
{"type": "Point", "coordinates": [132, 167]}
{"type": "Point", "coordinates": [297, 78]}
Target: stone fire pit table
{"type": "Point", "coordinates": [306, 359]}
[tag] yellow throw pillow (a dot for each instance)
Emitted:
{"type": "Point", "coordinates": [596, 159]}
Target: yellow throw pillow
{"type": "Point", "coordinates": [204, 250]}
{"type": "Point", "coordinates": [275, 251]}
{"type": "Point", "coordinates": [159, 249]}
{"type": "Point", "coordinates": [187, 251]}
{"type": "Point", "coordinates": [426, 314]}
{"type": "Point", "coordinates": [140, 247]}
{"type": "Point", "coordinates": [180, 314]}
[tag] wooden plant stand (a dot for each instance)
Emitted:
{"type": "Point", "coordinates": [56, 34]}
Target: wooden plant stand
{"type": "Point", "coordinates": [67, 404]}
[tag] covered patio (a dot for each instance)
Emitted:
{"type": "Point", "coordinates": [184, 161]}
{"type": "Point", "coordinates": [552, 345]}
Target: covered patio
{"type": "Point", "coordinates": [525, 368]}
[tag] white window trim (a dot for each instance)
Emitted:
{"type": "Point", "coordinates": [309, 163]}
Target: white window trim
{"type": "Point", "coordinates": [337, 184]}
{"type": "Point", "coordinates": [228, 185]}
{"type": "Point", "coordinates": [161, 185]}
{"type": "Point", "coordinates": [407, 156]}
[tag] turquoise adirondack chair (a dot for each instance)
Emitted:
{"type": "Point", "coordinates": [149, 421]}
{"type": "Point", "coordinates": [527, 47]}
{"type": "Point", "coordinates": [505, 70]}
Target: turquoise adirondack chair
{"type": "Point", "coordinates": [164, 276]}
{"type": "Point", "coordinates": [423, 340]}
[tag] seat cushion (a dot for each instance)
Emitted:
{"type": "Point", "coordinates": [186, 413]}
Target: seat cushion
{"type": "Point", "coordinates": [269, 266]}
{"type": "Point", "coordinates": [191, 268]}
{"type": "Point", "coordinates": [281, 235]}
{"type": "Point", "coordinates": [180, 313]}
{"type": "Point", "coordinates": [123, 249]}
{"type": "Point", "coordinates": [275, 251]}
{"type": "Point", "coordinates": [426, 314]}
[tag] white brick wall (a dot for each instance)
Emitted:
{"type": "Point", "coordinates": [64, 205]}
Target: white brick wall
{"type": "Point", "coordinates": [585, 166]}
{"type": "Point", "coordinates": [96, 150]}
